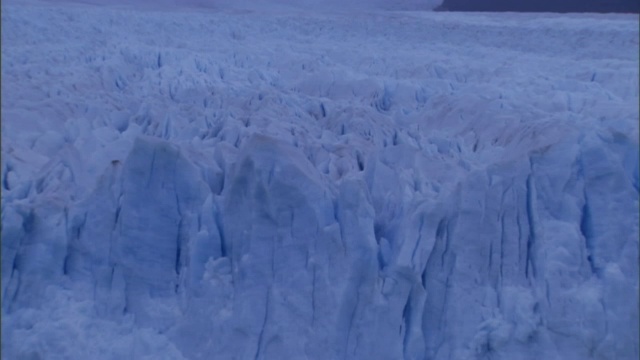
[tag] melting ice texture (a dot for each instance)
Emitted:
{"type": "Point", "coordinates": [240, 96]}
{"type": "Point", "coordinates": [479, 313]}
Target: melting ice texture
{"type": "Point", "coordinates": [225, 184]}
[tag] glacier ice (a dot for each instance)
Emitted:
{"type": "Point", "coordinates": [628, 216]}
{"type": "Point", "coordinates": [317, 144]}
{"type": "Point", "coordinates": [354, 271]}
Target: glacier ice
{"type": "Point", "coordinates": [376, 185]}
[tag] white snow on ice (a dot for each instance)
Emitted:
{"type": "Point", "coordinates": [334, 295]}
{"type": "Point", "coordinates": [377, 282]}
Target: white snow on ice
{"type": "Point", "coordinates": [212, 182]}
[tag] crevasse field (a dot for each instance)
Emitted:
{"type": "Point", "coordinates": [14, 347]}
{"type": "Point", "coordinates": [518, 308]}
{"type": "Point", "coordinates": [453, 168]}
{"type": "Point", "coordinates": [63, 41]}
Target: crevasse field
{"type": "Point", "coordinates": [270, 183]}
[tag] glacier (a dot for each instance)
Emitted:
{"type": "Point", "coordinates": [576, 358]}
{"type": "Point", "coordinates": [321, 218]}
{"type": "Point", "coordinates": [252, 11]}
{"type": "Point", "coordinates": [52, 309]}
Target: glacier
{"type": "Point", "coordinates": [216, 182]}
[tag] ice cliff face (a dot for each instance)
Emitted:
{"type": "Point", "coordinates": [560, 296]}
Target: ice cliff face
{"type": "Point", "coordinates": [410, 186]}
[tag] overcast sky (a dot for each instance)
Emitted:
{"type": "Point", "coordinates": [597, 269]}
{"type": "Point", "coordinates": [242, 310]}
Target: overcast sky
{"type": "Point", "coordinates": [544, 5]}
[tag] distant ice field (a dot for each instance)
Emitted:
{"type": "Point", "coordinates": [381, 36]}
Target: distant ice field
{"type": "Point", "coordinates": [235, 182]}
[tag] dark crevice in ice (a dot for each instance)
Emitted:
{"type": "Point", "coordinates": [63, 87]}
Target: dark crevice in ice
{"type": "Point", "coordinates": [531, 236]}
{"type": "Point", "coordinates": [490, 256]}
{"type": "Point", "coordinates": [264, 323]}
{"type": "Point", "coordinates": [406, 319]}
{"type": "Point", "coordinates": [586, 228]}
{"type": "Point", "coordinates": [28, 222]}
{"type": "Point", "coordinates": [178, 261]}
{"type": "Point", "coordinates": [360, 161]}
{"type": "Point", "coordinates": [313, 296]}
{"type": "Point", "coordinates": [217, 216]}
{"type": "Point", "coordinates": [383, 103]}
{"type": "Point", "coordinates": [159, 61]}
{"type": "Point", "coordinates": [153, 162]}
{"type": "Point", "coordinates": [352, 318]}
{"type": "Point", "coordinates": [5, 182]}
{"type": "Point", "coordinates": [502, 244]}
{"type": "Point", "coordinates": [441, 234]}
{"type": "Point", "coordinates": [117, 216]}
{"type": "Point", "coordinates": [418, 240]}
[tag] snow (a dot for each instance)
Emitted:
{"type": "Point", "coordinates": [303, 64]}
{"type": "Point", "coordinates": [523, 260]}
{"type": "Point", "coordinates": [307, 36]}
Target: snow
{"type": "Point", "coordinates": [214, 182]}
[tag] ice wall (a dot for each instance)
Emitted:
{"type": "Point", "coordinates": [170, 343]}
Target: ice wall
{"type": "Point", "coordinates": [182, 185]}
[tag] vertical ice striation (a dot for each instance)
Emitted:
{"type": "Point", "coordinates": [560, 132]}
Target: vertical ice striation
{"type": "Point", "coordinates": [181, 185]}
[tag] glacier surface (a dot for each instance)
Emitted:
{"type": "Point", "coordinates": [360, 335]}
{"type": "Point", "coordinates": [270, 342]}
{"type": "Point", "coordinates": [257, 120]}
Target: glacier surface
{"type": "Point", "coordinates": [230, 184]}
